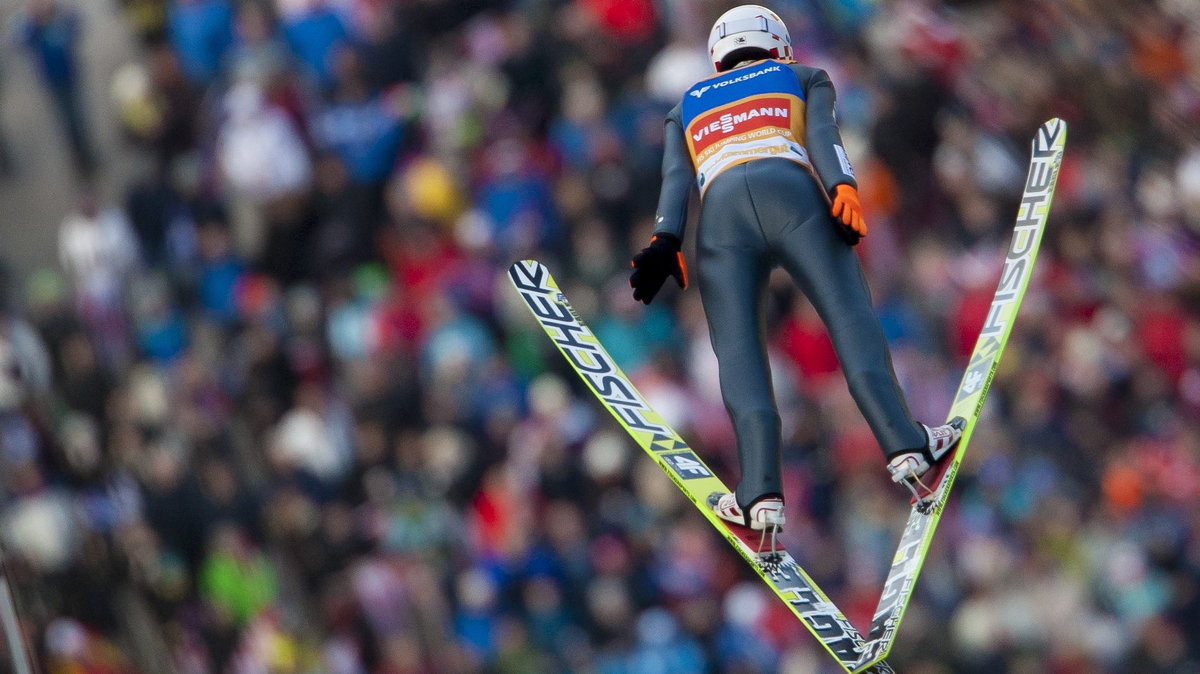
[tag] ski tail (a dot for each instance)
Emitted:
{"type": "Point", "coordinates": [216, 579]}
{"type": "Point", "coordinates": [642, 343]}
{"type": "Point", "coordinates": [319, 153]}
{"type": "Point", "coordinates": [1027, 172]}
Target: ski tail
{"type": "Point", "coordinates": [1049, 144]}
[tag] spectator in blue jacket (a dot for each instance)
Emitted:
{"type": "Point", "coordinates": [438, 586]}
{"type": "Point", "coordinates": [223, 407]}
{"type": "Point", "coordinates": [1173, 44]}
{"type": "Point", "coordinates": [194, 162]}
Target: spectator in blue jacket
{"type": "Point", "coordinates": [201, 31]}
{"type": "Point", "coordinates": [51, 33]}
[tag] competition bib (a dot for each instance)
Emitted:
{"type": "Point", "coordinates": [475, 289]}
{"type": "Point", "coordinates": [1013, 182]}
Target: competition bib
{"type": "Point", "coordinates": [745, 114]}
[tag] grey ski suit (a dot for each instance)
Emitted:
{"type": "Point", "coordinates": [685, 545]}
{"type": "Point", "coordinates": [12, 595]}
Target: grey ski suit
{"type": "Point", "coordinates": [765, 203]}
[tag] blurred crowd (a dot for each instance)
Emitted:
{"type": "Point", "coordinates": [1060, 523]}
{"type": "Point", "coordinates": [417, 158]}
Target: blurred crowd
{"type": "Point", "coordinates": [276, 409]}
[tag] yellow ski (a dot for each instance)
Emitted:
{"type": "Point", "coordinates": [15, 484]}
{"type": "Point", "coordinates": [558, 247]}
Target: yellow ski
{"type": "Point", "coordinates": [1048, 147]}
{"type": "Point", "coordinates": [777, 567]}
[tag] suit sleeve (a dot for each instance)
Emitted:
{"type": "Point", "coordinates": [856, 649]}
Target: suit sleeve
{"type": "Point", "coordinates": [678, 177]}
{"type": "Point", "coordinates": [823, 139]}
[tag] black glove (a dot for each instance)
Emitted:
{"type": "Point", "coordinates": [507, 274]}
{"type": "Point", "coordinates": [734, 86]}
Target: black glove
{"type": "Point", "coordinates": [654, 264]}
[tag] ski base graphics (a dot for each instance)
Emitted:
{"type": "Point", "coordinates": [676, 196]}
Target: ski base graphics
{"type": "Point", "coordinates": [612, 388]}
{"type": "Point", "coordinates": [1049, 145]}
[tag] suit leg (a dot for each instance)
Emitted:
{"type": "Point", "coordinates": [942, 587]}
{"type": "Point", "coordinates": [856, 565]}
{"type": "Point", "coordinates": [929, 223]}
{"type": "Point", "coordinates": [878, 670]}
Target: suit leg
{"type": "Point", "coordinates": [829, 273]}
{"type": "Point", "coordinates": [733, 290]}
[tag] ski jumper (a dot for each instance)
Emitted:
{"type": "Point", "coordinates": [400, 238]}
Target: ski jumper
{"type": "Point", "coordinates": [762, 144]}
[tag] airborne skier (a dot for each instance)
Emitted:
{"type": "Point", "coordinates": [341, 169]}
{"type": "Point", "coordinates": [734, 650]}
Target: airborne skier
{"type": "Point", "coordinates": [760, 140]}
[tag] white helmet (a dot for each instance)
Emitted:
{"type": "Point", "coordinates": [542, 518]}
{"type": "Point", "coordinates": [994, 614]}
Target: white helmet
{"type": "Point", "coordinates": [748, 27]}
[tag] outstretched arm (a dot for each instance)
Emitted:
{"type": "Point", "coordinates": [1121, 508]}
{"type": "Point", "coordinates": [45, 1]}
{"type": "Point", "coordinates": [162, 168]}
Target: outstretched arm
{"type": "Point", "coordinates": [678, 177]}
{"type": "Point", "coordinates": [827, 153]}
{"type": "Point", "coordinates": [823, 139]}
{"type": "Point", "coordinates": [662, 257]}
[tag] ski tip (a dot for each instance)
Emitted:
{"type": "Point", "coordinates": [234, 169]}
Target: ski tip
{"type": "Point", "coordinates": [529, 268]}
{"type": "Point", "coordinates": [530, 275]}
{"type": "Point", "coordinates": [1051, 138]}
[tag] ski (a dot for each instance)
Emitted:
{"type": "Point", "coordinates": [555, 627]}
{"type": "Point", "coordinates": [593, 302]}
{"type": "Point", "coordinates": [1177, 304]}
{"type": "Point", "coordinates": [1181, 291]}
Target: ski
{"type": "Point", "coordinates": [613, 389]}
{"type": "Point", "coordinates": [1048, 146]}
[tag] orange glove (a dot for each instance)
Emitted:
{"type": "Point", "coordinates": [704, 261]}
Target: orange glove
{"type": "Point", "coordinates": [848, 210]}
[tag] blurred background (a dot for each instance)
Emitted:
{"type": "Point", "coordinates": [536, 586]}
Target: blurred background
{"type": "Point", "coordinates": [268, 404]}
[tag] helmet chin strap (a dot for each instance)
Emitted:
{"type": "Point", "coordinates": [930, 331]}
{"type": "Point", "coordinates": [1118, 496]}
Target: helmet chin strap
{"type": "Point", "coordinates": [747, 61]}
